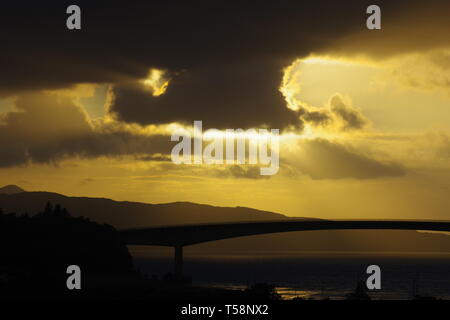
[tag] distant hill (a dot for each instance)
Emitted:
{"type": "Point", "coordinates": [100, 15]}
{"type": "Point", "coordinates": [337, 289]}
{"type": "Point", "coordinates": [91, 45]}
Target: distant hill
{"type": "Point", "coordinates": [11, 189]}
{"type": "Point", "coordinates": [124, 214]}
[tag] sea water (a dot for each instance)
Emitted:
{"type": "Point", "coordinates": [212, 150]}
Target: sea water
{"type": "Point", "coordinates": [310, 275]}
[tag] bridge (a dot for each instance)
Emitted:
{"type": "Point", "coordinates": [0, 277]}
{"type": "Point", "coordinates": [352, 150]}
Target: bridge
{"type": "Point", "coordinates": [185, 235]}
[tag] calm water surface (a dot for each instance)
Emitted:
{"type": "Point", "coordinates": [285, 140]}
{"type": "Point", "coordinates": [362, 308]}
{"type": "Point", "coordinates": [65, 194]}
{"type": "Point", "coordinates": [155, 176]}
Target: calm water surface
{"type": "Point", "coordinates": [314, 275]}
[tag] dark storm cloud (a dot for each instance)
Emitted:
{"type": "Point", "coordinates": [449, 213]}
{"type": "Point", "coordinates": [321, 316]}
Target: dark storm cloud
{"type": "Point", "coordinates": [419, 26]}
{"type": "Point", "coordinates": [123, 39]}
{"type": "Point", "coordinates": [47, 129]}
{"type": "Point", "coordinates": [222, 96]}
{"type": "Point", "coordinates": [230, 53]}
{"type": "Point", "coordinates": [323, 159]}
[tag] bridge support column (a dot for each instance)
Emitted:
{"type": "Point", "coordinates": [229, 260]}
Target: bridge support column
{"type": "Point", "coordinates": [178, 261]}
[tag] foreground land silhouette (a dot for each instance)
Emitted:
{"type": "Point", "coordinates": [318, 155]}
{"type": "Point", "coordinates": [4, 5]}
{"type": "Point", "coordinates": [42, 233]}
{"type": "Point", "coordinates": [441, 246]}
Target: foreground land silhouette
{"type": "Point", "coordinates": [37, 245]}
{"type": "Point", "coordinates": [36, 251]}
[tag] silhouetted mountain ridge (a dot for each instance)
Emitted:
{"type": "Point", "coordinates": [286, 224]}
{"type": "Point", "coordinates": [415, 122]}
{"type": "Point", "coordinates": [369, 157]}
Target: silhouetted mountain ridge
{"type": "Point", "coordinates": [127, 214]}
{"type": "Point", "coordinates": [11, 189]}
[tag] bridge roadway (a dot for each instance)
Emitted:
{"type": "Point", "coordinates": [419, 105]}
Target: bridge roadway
{"type": "Point", "coordinates": [178, 236]}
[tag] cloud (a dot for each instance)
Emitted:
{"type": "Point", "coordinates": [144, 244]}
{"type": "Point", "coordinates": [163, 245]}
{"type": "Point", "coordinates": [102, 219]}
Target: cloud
{"type": "Point", "coordinates": [438, 142]}
{"type": "Point", "coordinates": [123, 41]}
{"type": "Point", "coordinates": [45, 128]}
{"type": "Point", "coordinates": [337, 115]}
{"type": "Point", "coordinates": [241, 172]}
{"type": "Point", "coordinates": [323, 159]}
{"type": "Point", "coordinates": [414, 26]}
{"type": "Point", "coordinates": [120, 42]}
{"type": "Point", "coordinates": [317, 118]}
{"type": "Point", "coordinates": [226, 96]}
{"type": "Point", "coordinates": [86, 181]}
{"type": "Point", "coordinates": [424, 71]}
{"type": "Point", "coordinates": [350, 118]}
{"type": "Point", "coordinates": [226, 66]}
{"type": "Point", "coordinates": [155, 157]}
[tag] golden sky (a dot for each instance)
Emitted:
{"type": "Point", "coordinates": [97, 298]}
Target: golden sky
{"type": "Point", "coordinates": [372, 138]}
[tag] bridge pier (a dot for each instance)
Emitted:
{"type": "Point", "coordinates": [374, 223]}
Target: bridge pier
{"type": "Point", "coordinates": [178, 262]}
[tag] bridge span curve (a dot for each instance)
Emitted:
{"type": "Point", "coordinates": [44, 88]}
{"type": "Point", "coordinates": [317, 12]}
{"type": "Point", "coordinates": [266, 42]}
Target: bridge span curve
{"type": "Point", "coordinates": [185, 235]}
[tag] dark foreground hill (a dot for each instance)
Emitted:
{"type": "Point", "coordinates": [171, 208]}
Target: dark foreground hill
{"type": "Point", "coordinates": [36, 251]}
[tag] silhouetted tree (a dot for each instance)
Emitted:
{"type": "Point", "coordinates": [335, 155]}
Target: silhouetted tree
{"type": "Point", "coordinates": [36, 251]}
{"type": "Point", "coordinates": [48, 209]}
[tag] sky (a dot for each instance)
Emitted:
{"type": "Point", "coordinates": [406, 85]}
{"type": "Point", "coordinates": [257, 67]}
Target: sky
{"type": "Point", "coordinates": [363, 114]}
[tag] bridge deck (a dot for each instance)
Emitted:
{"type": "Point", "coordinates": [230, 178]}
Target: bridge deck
{"type": "Point", "coordinates": [192, 234]}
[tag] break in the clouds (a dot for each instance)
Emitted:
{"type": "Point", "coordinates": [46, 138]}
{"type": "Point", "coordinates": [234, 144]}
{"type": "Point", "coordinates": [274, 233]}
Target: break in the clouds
{"type": "Point", "coordinates": [323, 159]}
